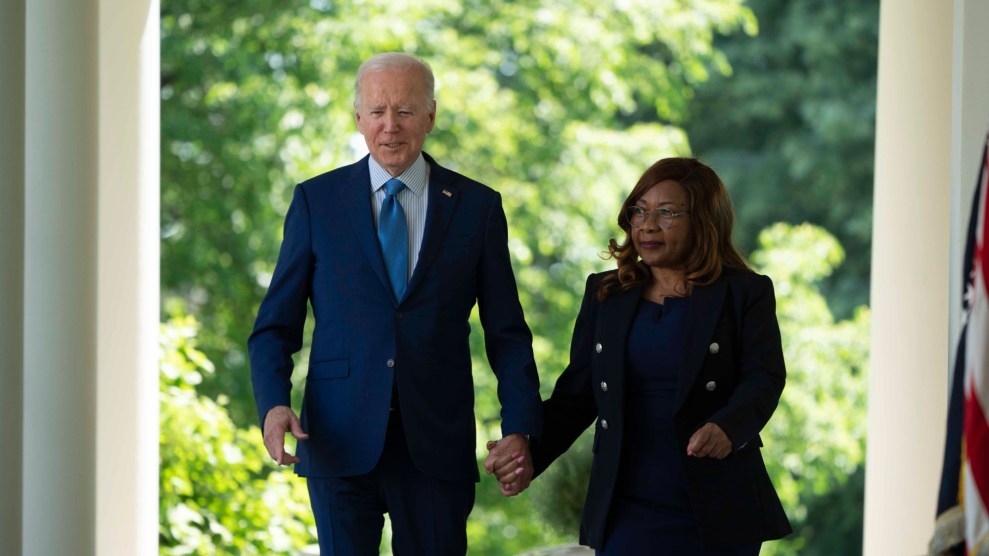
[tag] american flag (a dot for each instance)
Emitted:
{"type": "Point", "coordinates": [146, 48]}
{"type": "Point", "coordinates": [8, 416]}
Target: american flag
{"type": "Point", "coordinates": [975, 443]}
{"type": "Point", "coordinates": [963, 522]}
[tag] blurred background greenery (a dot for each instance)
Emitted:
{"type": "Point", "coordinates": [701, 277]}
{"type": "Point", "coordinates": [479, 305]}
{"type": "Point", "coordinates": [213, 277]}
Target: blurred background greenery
{"type": "Point", "coordinates": [560, 106]}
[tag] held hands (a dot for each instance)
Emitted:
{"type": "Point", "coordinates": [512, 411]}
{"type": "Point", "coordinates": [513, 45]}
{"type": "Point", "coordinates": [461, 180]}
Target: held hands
{"type": "Point", "coordinates": [710, 441]}
{"type": "Point", "coordinates": [279, 421]}
{"type": "Point", "coordinates": [510, 461]}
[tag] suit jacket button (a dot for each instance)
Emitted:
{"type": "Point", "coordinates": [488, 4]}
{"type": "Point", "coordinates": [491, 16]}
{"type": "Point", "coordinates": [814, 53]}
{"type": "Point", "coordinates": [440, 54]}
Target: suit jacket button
{"type": "Point", "coordinates": [714, 347]}
{"type": "Point", "coordinates": [711, 386]}
{"type": "Point", "coordinates": [604, 386]}
{"type": "Point", "coordinates": [604, 424]}
{"type": "Point", "coordinates": [390, 363]}
{"type": "Point", "coordinates": [598, 347]}
{"type": "Point", "coordinates": [399, 315]}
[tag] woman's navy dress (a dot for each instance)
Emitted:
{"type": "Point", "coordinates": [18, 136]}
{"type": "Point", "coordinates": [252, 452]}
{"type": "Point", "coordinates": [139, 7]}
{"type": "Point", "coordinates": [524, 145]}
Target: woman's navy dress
{"type": "Point", "coordinates": [651, 513]}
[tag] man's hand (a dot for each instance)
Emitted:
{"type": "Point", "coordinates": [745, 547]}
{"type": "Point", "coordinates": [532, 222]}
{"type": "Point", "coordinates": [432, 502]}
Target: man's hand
{"type": "Point", "coordinates": [710, 441]}
{"type": "Point", "coordinates": [510, 461]}
{"type": "Point", "coordinates": [279, 421]}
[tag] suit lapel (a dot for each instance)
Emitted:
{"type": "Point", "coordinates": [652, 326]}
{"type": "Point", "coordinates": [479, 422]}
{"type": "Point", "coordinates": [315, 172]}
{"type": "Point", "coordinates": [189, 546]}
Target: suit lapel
{"type": "Point", "coordinates": [356, 196]}
{"type": "Point", "coordinates": [614, 320]}
{"type": "Point", "coordinates": [443, 198]}
{"type": "Point", "coordinates": [703, 311]}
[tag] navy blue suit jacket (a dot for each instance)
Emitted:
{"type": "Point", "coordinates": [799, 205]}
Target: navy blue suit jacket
{"type": "Point", "coordinates": [364, 339]}
{"type": "Point", "coordinates": [733, 375]}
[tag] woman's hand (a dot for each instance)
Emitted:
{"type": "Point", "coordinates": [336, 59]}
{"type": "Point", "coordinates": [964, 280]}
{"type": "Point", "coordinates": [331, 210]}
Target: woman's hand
{"type": "Point", "coordinates": [509, 460]}
{"type": "Point", "coordinates": [709, 442]}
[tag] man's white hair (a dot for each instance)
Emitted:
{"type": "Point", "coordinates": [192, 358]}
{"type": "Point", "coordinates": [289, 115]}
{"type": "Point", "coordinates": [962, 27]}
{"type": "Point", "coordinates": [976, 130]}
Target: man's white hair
{"type": "Point", "coordinates": [395, 60]}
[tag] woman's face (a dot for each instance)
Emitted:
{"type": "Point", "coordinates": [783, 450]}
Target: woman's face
{"type": "Point", "coordinates": [659, 248]}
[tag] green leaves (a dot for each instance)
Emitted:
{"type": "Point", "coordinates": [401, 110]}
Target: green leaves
{"type": "Point", "coordinates": [218, 491]}
{"type": "Point", "coordinates": [816, 439]}
{"type": "Point", "coordinates": [559, 106]}
{"type": "Point", "coordinates": [791, 129]}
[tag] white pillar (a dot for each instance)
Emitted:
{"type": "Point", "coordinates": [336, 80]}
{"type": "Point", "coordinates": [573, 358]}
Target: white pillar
{"type": "Point", "coordinates": [11, 268]}
{"type": "Point", "coordinates": [909, 360]}
{"type": "Point", "coordinates": [127, 279]}
{"type": "Point", "coordinates": [90, 278]}
{"type": "Point", "coordinates": [60, 278]}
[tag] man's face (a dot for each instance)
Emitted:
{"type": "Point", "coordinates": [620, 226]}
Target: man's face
{"type": "Point", "coordinates": [394, 116]}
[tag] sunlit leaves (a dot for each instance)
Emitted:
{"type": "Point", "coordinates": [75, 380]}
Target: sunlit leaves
{"type": "Point", "coordinates": [217, 492]}
{"type": "Point", "coordinates": [256, 96]}
{"type": "Point", "coordinates": [816, 440]}
{"type": "Point", "coordinates": [557, 105]}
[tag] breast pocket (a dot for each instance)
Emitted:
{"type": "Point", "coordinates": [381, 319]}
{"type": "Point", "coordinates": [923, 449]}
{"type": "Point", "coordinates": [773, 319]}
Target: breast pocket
{"type": "Point", "coordinates": [326, 370]}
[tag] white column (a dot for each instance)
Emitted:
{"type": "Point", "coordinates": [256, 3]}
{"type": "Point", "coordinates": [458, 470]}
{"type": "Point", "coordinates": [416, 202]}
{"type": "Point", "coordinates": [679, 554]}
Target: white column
{"type": "Point", "coordinates": [11, 268]}
{"type": "Point", "coordinates": [127, 279]}
{"type": "Point", "coordinates": [59, 416]}
{"type": "Point", "coordinates": [909, 361]}
{"type": "Point", "coordinates": [90, 279]}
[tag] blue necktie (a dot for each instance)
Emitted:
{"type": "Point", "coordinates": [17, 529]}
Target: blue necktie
{"type": "Point", "coordinates": [393, 233]}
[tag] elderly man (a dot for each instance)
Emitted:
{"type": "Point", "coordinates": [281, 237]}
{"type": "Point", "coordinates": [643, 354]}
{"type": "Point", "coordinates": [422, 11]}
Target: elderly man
{"type": "Point", "coordinates": [392, 252]}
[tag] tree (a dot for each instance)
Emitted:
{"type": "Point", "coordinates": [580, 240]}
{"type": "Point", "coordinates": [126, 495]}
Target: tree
{"type": "Point", "coordinates": [791, 128]}
{"type": "Point", "coordinates": [216, 492]}
{"type": "Point", "coordinates": [559, 106]}
{"type": "Point", "coordinates": [816, 438]}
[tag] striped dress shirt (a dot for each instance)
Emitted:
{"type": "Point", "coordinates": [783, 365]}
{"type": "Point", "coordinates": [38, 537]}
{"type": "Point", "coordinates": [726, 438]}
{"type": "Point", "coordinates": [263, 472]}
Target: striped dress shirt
{"type": "Point", "coordinates": [413, 198]}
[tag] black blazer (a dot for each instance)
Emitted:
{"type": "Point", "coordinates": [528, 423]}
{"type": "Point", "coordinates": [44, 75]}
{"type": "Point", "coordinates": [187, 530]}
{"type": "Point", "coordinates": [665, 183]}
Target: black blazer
{"type": "Point", "coordinates": [733, 376]}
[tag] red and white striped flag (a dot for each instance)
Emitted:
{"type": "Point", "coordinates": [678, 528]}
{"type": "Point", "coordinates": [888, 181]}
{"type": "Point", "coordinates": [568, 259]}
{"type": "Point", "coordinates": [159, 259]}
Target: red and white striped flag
{"type": "Point", "coordinates": [975, 442]}
{"type": "Point", "coordinates": [962, 525]}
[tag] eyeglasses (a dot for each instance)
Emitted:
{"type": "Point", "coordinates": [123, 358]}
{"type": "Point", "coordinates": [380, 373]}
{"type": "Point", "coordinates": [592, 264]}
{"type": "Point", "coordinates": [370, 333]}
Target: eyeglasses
{"type": "Point", "coordinates": [637, 216]}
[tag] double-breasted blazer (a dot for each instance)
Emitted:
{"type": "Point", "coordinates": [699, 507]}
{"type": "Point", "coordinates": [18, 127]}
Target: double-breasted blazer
{"type": "Point", "coordinates": [365, 340]}
{"type": "Point", "coordinates": [733, 376]}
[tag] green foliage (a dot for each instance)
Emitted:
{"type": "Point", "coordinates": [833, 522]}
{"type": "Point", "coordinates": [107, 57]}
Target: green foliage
{"type": "Point", "coordinates": [559, 106]}
{"type": "Point", "coordinates": [560, 491]}
{"type": "Point", "coordinates": [791, 128]}
{"type": "Point", "coordinates": [217, 492]}
{"type": "Point", "coordinates": [834, 519]}
{"type": "Point", "coordinates": [500, 525]}
{"type": "Point", "coordinates": [816, 439]}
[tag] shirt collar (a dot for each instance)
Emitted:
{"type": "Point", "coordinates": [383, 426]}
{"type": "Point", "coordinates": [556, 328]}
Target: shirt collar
{"type": "Point", "coordinates": [414, 177]}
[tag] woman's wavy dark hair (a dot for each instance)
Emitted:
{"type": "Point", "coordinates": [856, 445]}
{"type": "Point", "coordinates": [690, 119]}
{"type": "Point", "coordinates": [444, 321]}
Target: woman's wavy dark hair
{"type": "Point", "coordinates": [711, 218]}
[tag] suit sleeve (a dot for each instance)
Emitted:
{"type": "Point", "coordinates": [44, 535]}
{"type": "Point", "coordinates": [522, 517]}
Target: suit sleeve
{"type": "Point", "coordinates": [507, 337]}
{"type": "Point", "coordinates": [761, 369]}
{"type": "Point", "coordinates": [571, 408]}
{"type": "Point", "coordinates": [279, 325]}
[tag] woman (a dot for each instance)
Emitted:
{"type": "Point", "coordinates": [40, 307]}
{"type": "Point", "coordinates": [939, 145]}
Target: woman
{"type": "Point", "coordinates": [676, 358]}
